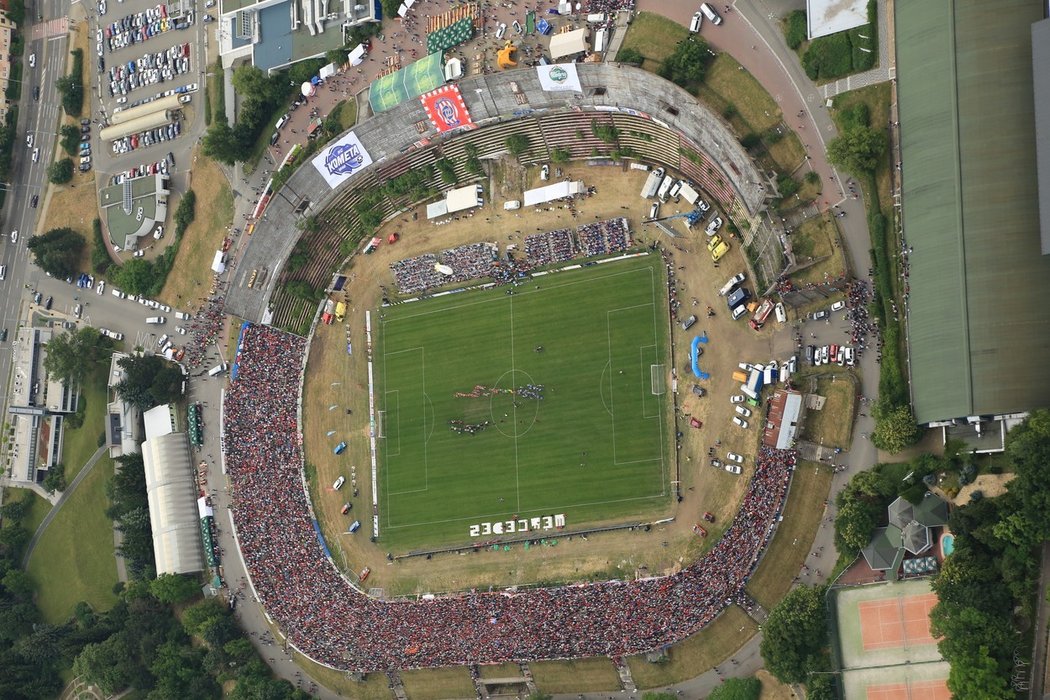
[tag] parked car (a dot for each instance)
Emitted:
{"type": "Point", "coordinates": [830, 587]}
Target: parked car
{"type": "Point", "coordinates": [737, 420]}
{"type": "Point", "coordinates": [736, 398]}
{"type": "Point", "coordinates": [733, 468]}
{"type": "Point", "coordinates": [745, 412]}
{"type": "Point", "coordinates": [734, 457]}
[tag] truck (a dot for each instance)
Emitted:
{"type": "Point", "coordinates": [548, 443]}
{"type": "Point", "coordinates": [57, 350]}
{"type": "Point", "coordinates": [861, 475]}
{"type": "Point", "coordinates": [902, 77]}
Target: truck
{"type": "Point", "coordinates": [665, 187]}
{"type": "Point", "coordinates": [739, 376]}
{"type": "Point", "coordinates": [733, 281]}
{"type": "Point", "coordinates": [764, 309]}
{"type": "Point", "coordinates": [652, 183]}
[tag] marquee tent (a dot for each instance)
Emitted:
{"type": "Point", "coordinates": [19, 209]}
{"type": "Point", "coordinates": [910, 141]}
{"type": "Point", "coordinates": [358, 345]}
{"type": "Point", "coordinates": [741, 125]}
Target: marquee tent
{"type": "Point", "coordinates": [453, 35]}
{"type": "Point", "coordinates": [568, 43]}
{"type": "Point", "coordinates": [412, 81]}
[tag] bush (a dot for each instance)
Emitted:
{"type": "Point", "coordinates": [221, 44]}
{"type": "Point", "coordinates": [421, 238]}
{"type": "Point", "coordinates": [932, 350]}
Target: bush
{"type": "Point", "coordinates": [750, 140]}
{"type": "Point", "coordinates": [787, 185]}
{"type": "Point", "coordinates": [14, 83]}
{"type": "Point", "coordinates": [560, 155]}
{"type": "Point", "coordinates": [517, 144]}
{"type": "Point", "coordinates": [448, 171]}
{"type": "Point", "coordinates": [632, 56]}
{"type": "Point", "coordinates": [60, 172]}
{"type": "Point", "coordinates": [829, 57]}
{"type": "Point", "coordinates": [100, 260]}
{"type": "Point", "coordinates": [795, 29]}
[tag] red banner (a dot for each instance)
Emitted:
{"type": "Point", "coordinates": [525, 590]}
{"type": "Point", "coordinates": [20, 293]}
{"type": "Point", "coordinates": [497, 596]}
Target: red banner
{"type": "Point", "coordinates": [446, 109]}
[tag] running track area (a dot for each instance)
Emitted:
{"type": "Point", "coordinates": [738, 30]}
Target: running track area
{"type": "Point", "coordinates": [328, 619]}
{"type": "Point", "coordinates": [895, 623]}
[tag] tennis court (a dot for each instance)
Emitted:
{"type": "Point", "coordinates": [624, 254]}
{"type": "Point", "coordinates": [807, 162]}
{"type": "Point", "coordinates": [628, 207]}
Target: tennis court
{"type": "Point", "coordinates": [896, 622]}
{"type": "Point", "coordinates": [926, 690]}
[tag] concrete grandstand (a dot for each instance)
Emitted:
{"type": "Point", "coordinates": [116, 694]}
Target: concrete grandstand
{"type": "Point", "coordinates": [977, 277]}
{"type": "Point", "coordinates": [684, 135]}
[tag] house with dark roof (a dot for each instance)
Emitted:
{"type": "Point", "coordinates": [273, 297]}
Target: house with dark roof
{"type": "Point", "coordinates": [908, 532]}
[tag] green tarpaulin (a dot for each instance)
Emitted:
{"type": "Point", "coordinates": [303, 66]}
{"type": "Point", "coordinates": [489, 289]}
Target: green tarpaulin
{"type": "Point", "coordinates": [409, 82]}
{"type": "Point", "coordinates": [453, 35]}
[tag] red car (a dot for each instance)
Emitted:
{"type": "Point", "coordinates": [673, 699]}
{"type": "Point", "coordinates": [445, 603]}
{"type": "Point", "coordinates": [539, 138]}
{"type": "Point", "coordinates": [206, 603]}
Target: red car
{"type": "Point", "coordinates": [709, 516]}
{"type": "Point", "coordinates": [698, 529]}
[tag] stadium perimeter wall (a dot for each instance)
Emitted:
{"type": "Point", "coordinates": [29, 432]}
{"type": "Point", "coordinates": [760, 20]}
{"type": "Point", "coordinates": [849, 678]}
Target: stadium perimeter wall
{"type": "Point", "coordinates": [608, 90]}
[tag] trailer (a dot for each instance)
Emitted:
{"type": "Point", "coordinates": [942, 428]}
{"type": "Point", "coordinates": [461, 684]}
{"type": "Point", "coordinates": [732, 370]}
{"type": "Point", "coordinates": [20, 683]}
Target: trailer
{"type": "Point", "coordinates": [665, 187]}
{"type": "Point", "coordinates": [652, 183]}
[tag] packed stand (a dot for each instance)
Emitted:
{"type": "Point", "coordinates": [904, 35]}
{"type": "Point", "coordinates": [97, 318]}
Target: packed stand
{"type": "Point", "coordinates": [470, 262]}
{"type": "Point", "coordinates": [550, 247]}
{"type": "Point", "coordinates": [603, 237]}
{"type": "Point", "coordinates": [418, 274]}
{"type": "Point", "coordinates": [329, 620]}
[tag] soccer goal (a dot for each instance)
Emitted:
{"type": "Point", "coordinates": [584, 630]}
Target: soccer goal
{"type": "Point", "coordinates": [658, 379]}
{"type": "Point", "coordinates": [380, 423]}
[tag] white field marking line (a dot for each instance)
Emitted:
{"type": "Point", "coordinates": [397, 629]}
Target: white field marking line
{"type": "Point", "coordinates": [665, 470]}
{"type": "Point", "coordinates": [545, 510]}
{"type": "Point", "coordinates": [386, 415]}
{"type": "Point", "coordinates": [426, 474]}
{"type": "Point", "coordinates": [514, 409]}
{"type": "Point", "coordinates": [525, 292]}
{"type": "Point", "coordinates": [642, 362]}
{"type": "Point", "coordinates": [612, 406]}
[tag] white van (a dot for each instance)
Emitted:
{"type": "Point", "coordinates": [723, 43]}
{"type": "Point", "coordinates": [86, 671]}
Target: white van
{"type": "Point", "coordinates": [739, 311]}
{"type": "Point", "coordinates": [596, 17]}
{"type": "Point", "coordinates": [3, 272]}
{"type": "Point", "coordinates": [156, 320]}
{"type": "Point", "coordinates": [284, 120]}
{"type": "Point", "coordinates": [511, 205]}
{"type": "Point", "coordinates": [709, 12]}
{"type": "Point", "coordinates": [181, 315]}
{"type": "Point", "coordinates": [695, 22]}
{"type": "Point", "coordinates": [216, 370]}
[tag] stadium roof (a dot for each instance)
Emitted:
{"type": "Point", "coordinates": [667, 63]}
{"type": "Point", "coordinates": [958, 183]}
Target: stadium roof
{"type": "Point", "coordinates": [412, 81]}
{"type": "Point", "coordinates": [172, 498]}
{"type": "Point", "coordinates": [1041, 80]}
{"type": "Point", "coordinates": [977, 279]}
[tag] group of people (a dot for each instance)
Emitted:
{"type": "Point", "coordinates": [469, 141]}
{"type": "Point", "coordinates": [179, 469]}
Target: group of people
{"type": "Point", "coordinates": [206, 326]}
{"type": "Point", "coordinates": [471, 261]}
{"type": "Point", "coordinates": [550, 247]}
{"type": "Point", "coordinates": [858, 295]}
{"type": "Point", "coordinates": [603, 237]}
{"type": "Point", "coordinates": [326, 618]}
{"type": "Point", "coordinates": [418, 274]}
{"type": "Point", "coordinates": [463, 428]}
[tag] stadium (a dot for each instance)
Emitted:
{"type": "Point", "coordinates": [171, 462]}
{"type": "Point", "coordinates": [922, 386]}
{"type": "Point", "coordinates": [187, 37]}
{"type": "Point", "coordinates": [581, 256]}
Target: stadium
{"type": "Point", "coordinates": [502, 403]}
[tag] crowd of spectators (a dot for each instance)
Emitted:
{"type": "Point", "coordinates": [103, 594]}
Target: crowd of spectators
{"type": "Point", "coordinates": [325, 617]}
{"type": "Point", "coordinates": [470, 262]}
{"type": "Point", "coordinates": [595, 6]}
{"type": "Point", "coordinates": [418, 274]}
{"type": "Point", "coordinates": [603, 237]}
{"type": "Point", "coordinates": [205, 327]}
{"type": "Point", "coordinates": [550, 247]}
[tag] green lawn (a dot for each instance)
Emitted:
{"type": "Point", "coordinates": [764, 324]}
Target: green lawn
{"type": "Point", "coordinates": [655, 37]}
{"type": "Point", "coordinates": [78, 445]}
{"type": "Point", "coordinates": [592, 448]}
{"type": "Point", "coordinates": [74, 561]}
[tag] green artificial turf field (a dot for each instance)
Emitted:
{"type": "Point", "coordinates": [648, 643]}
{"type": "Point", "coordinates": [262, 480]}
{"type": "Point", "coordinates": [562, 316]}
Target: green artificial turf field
{"type": "Point", "coordinates": [594, 448]}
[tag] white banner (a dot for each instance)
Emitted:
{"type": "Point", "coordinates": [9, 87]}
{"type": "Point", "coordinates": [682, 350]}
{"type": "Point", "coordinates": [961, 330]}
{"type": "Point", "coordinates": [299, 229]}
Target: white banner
{"type": "Point", "coordinates": [342, 159]}
{"type": "Point", "coordinates": [560, 77]}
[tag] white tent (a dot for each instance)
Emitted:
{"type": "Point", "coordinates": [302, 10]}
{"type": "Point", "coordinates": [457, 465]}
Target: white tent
{"type": "Point", "coordinates": [688, 193]}
{"type": "Point", "coordinates": [568, 43]}
{"type": "Point", "coordinates": [463, 198]}
{"type": "Point", "coordinates": [558, 190]}
{"type": "Point", "coordinates": [436, 209]}
{"type": "Point", "coordinates": [327, 72]}
{"type": "Point", "coordinates": [218, 263]}
{"type": "Point", "coordinates": [357, 56]}
{"type": "Point", "coordinates": [453, 69]}
{"type": "Point", "coordinates": [403, 10]}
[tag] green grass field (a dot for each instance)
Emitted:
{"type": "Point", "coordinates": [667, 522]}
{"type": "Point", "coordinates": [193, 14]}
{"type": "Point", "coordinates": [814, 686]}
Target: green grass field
{"type": "Point", "coordinates": [594, 447]}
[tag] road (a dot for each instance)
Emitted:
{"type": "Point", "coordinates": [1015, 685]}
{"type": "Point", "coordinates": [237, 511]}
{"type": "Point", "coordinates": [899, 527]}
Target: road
{"type": "Point", "coordinates": [38, 119]}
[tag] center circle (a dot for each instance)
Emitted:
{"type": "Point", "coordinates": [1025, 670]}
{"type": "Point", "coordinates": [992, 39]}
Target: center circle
{"type": "Point", "coordinates": [513, 415]}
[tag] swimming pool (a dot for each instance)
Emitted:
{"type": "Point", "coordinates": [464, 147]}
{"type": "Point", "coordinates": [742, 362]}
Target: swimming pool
{"type": "Point", "coordinates": [948, 544]}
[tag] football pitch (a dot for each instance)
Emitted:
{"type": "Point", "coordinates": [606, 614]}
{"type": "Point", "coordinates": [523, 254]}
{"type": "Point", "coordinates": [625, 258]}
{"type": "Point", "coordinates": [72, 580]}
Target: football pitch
{"type": "Point", "coordinates": [495, 408]}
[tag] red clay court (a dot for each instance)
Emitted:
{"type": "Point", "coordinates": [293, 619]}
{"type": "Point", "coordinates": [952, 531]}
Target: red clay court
{"type": "Point", "coordinates": [918, 690]}
{"type": "Point", "coordinates": [893, 623]}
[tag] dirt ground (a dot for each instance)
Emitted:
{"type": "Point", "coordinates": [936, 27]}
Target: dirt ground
{"type": "Point", "coordinates": [337, 382]}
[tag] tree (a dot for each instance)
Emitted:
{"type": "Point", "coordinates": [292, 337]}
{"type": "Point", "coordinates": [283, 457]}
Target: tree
{"type": "Point", "coordinates": [854, 523]}
{"type": "Point", "coordinates": [895, 428]}
{"type": "Point", "coordinates": [60, 172]}
{"type": "Point", "coordinates": [72, 355]}
{"type": "Point", "coordinates": [70, 139]}
{"type": "Point", "coordinates": [858, 150]}
{"type": "Point", "coordinates": [795, 635]}
{"type": "Point", "coordinates": [174, 588]}
{"type": "Point", "coordinates": [196, 617]}
{"type": "Point", "coordinates": [737, 689]}
{"type": "Point", "coordinates": [135, 276]}
{"type": "Point", "coordinates": [631, 56]}
{"type": "Point", "coordinates": [108, 665]}
{"type": "Point", "coordinates": [560, 155]}
{"type": "Point", "coordinates": [57, 251]}
{"type": "Point", "coordinates": [978, 676]}
{"type": "Point", "coordinates": [220, 143]}
{"type": "Point", "coordinates": [1028, 447]}
{"type": "Point", "coordinates": [253, 82]}
{"type": "Point", "coordinates": [56, 478]}
{"type": "Point", "coordinates": [688, 64]}
{"type": "Point", "coordinates": [517, 144]}
{"type": "Point", "coordinates": [149, 380]}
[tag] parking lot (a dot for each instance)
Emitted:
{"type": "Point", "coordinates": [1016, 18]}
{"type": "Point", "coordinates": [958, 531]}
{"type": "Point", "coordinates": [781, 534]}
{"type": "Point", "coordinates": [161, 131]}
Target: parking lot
{"type": "Point", "coordinates": [145, 53]}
